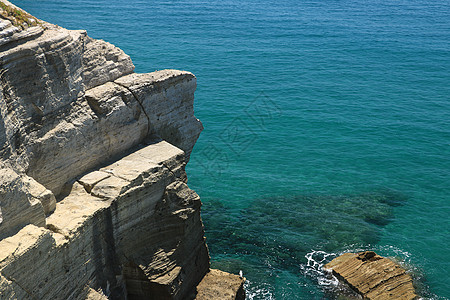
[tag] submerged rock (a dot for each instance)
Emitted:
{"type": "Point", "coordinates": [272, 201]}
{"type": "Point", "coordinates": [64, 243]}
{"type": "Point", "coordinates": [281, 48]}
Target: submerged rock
{"type": "Point", "coordinates": [373, 276]}
{"type": "Point", "coordinates": [297, 225]}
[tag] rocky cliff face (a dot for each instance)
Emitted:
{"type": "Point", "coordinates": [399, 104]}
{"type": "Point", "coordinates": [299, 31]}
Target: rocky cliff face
{"type": "Point", "coordinates": [93, 196]}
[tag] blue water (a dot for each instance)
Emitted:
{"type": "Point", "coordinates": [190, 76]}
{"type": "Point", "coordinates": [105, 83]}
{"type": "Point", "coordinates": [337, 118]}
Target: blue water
{"type": "Point", "coordinates": [327, 127]}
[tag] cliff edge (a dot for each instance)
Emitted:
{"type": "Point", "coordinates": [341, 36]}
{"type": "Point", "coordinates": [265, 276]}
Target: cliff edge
{"type": "Point", "coordinates": [93, 196]}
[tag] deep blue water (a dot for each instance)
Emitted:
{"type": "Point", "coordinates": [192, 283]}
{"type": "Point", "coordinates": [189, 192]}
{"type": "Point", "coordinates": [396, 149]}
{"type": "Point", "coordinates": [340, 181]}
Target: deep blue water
{"type": "Point", "coordinates": [327, 127]}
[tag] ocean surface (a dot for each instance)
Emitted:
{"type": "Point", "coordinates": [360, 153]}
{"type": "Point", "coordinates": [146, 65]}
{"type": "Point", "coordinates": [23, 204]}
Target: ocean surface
{"type": "Point", "coordinates": [327, 127]}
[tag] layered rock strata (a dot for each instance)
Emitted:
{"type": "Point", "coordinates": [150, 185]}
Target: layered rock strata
{"type": "Point", "coordinates": [221, 285]}
{"type": "Point", "coordinates": [93, 196]}
{"type": "Point", "coordinates": [131, 229]}
{"type": "Point", "coordinates": [372, 276]}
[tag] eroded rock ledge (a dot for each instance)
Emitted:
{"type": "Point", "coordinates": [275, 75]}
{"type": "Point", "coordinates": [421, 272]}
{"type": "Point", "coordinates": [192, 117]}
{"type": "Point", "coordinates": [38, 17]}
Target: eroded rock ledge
{"type": "Point", "coordinates": [372, 276]}
{"type": "Point", "coordinates": [221, 285]}
{"type": "Point", "coordinates": [130, 229]}
{"type": "Point", "coordinates": [93, 196]}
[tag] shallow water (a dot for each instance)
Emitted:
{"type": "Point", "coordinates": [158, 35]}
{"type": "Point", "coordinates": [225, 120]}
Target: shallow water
{"type": "Point", "coordinates": [326, 127]}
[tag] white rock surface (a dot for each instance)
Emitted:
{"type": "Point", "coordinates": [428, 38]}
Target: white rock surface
{"type": "Point", "coordinates": [22, 201]}
{"type": "Point", "coordinates": [142, 238]}
{"type": "Point", "coordinates": [103, 62]}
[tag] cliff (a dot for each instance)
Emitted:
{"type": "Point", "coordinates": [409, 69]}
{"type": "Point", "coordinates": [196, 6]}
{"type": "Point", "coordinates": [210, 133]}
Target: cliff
{"type": "Point", "coordinates": [93, 196]}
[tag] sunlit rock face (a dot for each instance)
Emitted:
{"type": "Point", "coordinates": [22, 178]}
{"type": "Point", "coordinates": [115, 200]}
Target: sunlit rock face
{"type": "Point", "coordinates": [373, 276]}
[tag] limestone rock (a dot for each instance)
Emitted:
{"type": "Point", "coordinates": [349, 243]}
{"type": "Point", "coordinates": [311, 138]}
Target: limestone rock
{"type": "Point", "coordinates": [16, 24]}
{"type": "Point", "coordinates": [143, 240]}
{"type": "Point", "coordinates": [20, 201]}
{"type": "Point", "coordinates": [94, 295]}
{"type": "Point", "coordinates": [103, 62]}
{"type": "Point", "coordinates": [372, 276]}
{"type": "Point", "coordinates": [93, 196]}
{"type": "Point", "coordinates": [39, 192]}
{"type": "Point", "coordinates": [62, 115]}
{"type": "Point", "coordinates": [58, 94]}
{"type": "Point", "coordinates": [220, 285]}
{"type": "Point", "coordinates": [167, 98]}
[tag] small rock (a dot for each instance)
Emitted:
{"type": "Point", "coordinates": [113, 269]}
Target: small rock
{"type": "Point", "coordinates": [221, 285]}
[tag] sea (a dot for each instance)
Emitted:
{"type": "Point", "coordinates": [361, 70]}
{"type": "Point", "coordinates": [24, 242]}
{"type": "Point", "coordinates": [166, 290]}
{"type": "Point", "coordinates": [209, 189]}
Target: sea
{"type": "Point", "coordinates": [327, 128]}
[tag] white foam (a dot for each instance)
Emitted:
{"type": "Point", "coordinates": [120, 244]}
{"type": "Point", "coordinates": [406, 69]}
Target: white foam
{"type": "Point", "coordinates": [260, 292]}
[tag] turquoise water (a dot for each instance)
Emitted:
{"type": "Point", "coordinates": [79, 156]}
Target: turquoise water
{"type": "Point", "coordinates": [327, 127]}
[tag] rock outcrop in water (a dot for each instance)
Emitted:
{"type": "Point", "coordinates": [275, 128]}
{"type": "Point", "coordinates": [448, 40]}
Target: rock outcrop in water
{"type": "Point", "coordinates": [93, 196]}
{"type": "Point", "coordinates": [221, 285]}
{"type": "Point", "coordinates": [372, 276]}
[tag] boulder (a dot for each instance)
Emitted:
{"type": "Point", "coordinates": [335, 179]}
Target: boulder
{"type": "Point", "coordinates": [220, 285]}
{"type": "Point", "coordinates": [372, 276]}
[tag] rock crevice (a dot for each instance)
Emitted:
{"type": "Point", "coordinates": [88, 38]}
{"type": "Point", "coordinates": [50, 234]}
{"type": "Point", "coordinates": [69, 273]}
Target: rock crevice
{"type": "Point", "coordinates": [140, 104]}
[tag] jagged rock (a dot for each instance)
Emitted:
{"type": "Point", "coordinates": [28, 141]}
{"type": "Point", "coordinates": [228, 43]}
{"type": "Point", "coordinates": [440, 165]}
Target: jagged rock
{"type": "Point", "coordinates": [372, 276]}
{"type": "Point", "coordinates": [220, 285]}
{"type": "Point", "coordinates": [103, 62]}
{"type": "Point", "coordinates": [94, 295]}
{"type": "Point", "coordinates": [60, 109]}
{"type": "Point", "coordinates": [167, 98]}
{"type": "Point", "coordinates": [16, 24]}
{"type": "Point", "coordinates": [93, 196]}
{"type": "Point", "coordinates": [58, 93]}
{"type": "Point", "coordinates": [142, 239]}
{"type": "Point", "coordinates": [22, 201]}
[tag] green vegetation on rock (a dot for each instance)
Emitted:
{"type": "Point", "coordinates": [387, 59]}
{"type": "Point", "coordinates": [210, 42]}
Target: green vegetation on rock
{"type": "Point", "coordinates": [17, 17]}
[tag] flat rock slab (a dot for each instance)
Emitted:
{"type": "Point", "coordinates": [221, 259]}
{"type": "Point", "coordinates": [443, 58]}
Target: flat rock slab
{"type": "Point", "coordinates": [372, 276]}
{"type": "Point", "coordinates": [220, 285]}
